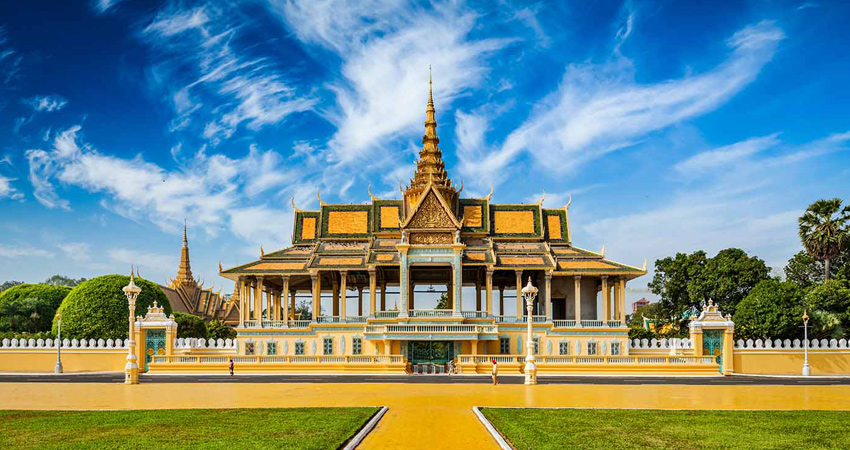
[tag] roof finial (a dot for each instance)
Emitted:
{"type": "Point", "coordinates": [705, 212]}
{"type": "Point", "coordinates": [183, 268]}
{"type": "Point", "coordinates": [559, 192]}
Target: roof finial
{"type": "Point", "coordinates": [430, 88]}
{"type": "Point", "coordinates": [185, 240]}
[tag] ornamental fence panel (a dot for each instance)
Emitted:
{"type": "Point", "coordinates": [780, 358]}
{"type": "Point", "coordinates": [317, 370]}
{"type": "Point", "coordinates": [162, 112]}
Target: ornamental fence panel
{"type": "Point", "coordinates": [788, 344]}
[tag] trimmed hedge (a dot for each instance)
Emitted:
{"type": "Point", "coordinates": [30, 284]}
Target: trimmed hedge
{"type": "Point", "coordinates": [30, 307]}
{"type": "Point", "coordinates": [97, 308]}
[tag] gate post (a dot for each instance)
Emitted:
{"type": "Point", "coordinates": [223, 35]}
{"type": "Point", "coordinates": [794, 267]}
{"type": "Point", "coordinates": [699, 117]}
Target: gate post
{"type": "Point", "coordinates": [712, 334]}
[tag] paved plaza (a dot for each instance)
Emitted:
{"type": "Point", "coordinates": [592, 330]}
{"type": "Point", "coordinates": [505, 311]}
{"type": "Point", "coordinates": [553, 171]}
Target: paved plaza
{"type": "Point", "coordinates": [422, 415]}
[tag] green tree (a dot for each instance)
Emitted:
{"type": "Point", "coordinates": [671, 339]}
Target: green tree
{"type": "Point", "coordinates": [773, 309]}
{"type": "Point", "coordinates": [98, 307]}
{"type": "Point", "coordinates": [30, 307]}
{"type": "Point", "coordinates": [685, 281]}
{"type": "Point", "coordinates": [443, 302]}
{"type": "Point", "coordinates": [823, 230]}
{"type": "Point", "coordinates": [220, 330]}
{"type": "Point", "coordinates": [190, 326]}
{"type": "Point", "coordinates": [61, 280]}
{"type": "Point", "coordinates": [9, 284]}
{"type": "Point", "coordinates": [829, 303]}
{"type": "Point", "coordinates": [303, 310]}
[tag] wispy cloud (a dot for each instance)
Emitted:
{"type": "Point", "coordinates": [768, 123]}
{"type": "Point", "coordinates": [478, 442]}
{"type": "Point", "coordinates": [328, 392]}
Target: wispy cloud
{"type": "Point", "coordinates": [9, 191]}
{"type": "Point", "coordinates": [199, 59]}
{"type": "Point", "coordinates": [214, 191]}
{"type": "Point", "coordinates": [75, 251]}
{"type": "Point", "coordinates": [103, 6]}
{"type": "Point", "coordinates": [726, 156]}
{"type": "Point", "coordinates": [141, 257]}
{"type": "Point", "coordinates": [386, 47]}
{"type": "Point", "coordinates": [10, 60]}
{"type": "Point", "coordinates": [46, 103]}
{"type": "Point", "coordinates": [598, 109]}
{"type": "Point", "coordinates": [25, 251]}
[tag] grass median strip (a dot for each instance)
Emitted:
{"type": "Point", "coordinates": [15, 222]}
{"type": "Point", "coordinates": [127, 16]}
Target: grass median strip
{"type": "Point", "coordinates": [285, 428]}
{"type": "Point", "coordinates": [632, 429]}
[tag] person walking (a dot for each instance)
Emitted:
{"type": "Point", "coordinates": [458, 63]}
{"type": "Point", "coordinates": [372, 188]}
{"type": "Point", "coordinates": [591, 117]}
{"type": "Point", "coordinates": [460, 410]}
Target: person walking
{"type": "Point", "coordinates": [495, 372]}
{"type": "Point", "coordinates": [231, 367]}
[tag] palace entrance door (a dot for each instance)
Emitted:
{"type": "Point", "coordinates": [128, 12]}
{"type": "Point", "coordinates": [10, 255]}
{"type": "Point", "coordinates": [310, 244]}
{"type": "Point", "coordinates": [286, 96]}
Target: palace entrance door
{"type": "Point", "coordinates": [430, 356]}
{"type": "Point", "coordinates": [154, 345]}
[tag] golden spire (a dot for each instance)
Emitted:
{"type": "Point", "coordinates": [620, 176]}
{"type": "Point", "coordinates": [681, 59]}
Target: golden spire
{"type": "Point", "coordinates": [184, 271]}
{"type": "Point", "coordinates": [430, 167]}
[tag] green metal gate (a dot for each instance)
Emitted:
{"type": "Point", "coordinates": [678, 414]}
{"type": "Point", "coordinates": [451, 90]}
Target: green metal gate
{"type": "Point", "coordinates": [154, 345]}
{"type": "Point", "coordinates": [430, 352]}
{"type": "Point", "coordinates": [712, 345]}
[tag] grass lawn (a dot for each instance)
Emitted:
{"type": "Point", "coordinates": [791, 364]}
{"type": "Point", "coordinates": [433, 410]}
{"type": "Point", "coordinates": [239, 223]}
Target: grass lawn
{"type": "Point", "coordinates": [620, 429]}
{"type": "Point", "coordinates": [290, 428]}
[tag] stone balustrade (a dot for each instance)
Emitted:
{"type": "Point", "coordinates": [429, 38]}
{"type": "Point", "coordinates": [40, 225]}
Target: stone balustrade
{"type": "Point", "coordinates": [66, 343]}
{"type": "Point", "coordinates": [195, 343]}
{"type": "Point", "coordinates": [788, 344]}
{"type": "Point", "coordinates": [664, 343]}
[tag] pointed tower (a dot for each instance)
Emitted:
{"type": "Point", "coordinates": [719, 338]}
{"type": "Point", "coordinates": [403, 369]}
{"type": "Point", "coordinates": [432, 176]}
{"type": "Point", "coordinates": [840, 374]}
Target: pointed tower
{"type": "Point", "coordinates": [184, 272]}
{"type": "Point", "coordinates": [430, 168]}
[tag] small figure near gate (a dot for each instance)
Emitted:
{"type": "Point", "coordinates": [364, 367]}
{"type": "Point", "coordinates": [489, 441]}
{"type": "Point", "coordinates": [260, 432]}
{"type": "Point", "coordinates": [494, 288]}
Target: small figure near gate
{"type": "Point", "coordinates": [231, 367]}
{"type": "Point", "coordinates": [495, 372]}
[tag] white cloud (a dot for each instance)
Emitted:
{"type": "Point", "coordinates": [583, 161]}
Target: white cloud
{"type": "Point", "coordinates": [723, 157]}
{"type": "Point", "coordinates": [46, 103]}
{"type": "Point", "coordinates": [9, 191]}
{"type": "Point", "coordinates": [200, 56]}
{"type": "Point", "coordinates": [10, 59]}
{"type": "Point", "coordinates": [102, 6]}
{"type": "Point", "coordinates": [386, 48]}
{"type": "Point", "coordinates": [15, 251]}
{"type": "Point", "coordinates": [600, 108]}
{"type": "Point", "coordinates": [76, 251]}
{"type": "Point", "coordinates": [155, 261]}
{"type": "Point", "coordinates": [263, 226]}
{"type": "Point", "coordinates": [214, 192]}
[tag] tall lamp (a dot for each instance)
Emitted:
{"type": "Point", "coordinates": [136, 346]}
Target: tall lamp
{"type": "Point", "coordinates": [806, 369]}
{"type": "Point", "coordinates": [131, 369]}
{"type": "Point", "coordinates": [58, 368]}
{"type": "Point", "coordinates": [529, 292]}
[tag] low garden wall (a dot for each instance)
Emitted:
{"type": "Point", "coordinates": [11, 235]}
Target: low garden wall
{"type": "Point", "coordinates": [39, 355]}
{"type": "Point", "coordinates": [786, 357]}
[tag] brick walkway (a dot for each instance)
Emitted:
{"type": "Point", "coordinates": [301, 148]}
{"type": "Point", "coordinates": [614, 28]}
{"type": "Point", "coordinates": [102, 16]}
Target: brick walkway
{"type": "Point", "coordinates": [420, 415]}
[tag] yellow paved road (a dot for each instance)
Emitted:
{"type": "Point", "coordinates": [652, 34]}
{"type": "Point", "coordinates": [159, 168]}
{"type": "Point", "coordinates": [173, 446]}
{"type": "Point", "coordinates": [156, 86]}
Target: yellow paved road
{"type": "Point", "coordinates": [421, 415]}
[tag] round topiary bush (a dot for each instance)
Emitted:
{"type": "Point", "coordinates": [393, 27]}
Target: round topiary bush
{"type": "Point", "coordinates": [190, 326]}
{"type": "Point", "coordinates": [30, 307]}
{"type": "Point", "coordinates": [97, 308]}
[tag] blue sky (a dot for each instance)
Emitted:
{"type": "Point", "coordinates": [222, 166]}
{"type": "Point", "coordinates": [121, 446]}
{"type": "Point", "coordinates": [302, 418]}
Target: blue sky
{"type": "Point", "coordinates": [675, 125]}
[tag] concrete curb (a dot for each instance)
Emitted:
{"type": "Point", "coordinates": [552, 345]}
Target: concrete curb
{"type": "Point", "coordinates": [370, 425]}
{"type": "Point", "coordinates": [503, 444]}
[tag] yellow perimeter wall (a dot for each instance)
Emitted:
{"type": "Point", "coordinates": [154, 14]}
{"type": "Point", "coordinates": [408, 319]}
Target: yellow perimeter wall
{"type": "Point", "coordinates": [73, 360]}
{"type": "Point", "coordinates": [790, 362]}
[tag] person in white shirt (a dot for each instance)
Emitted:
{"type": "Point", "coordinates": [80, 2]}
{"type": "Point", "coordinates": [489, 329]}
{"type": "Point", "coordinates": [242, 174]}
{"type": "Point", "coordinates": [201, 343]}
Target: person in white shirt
{"type": "Point", "coordinates": [495, 372]}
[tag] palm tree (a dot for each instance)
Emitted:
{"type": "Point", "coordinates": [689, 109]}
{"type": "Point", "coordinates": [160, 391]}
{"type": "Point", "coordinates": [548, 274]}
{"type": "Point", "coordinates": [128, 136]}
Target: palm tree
{"type": "Point", "coordinates": [824, 230]}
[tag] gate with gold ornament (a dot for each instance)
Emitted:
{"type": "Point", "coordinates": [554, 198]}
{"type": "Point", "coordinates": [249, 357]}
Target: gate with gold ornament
{"type": "Point", "coordinates": [154, 344]}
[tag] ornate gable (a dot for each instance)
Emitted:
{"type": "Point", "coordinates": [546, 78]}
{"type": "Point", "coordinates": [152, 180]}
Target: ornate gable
{"type": "Point", "coordinates": [432, 212]}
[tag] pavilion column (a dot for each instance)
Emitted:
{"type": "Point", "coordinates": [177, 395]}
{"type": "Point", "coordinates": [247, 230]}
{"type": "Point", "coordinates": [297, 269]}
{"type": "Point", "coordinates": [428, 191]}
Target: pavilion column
{"type": "Point", "coordinates": [373, 283]}
{"type": "Point", "coordinates": [343, 294]}
{"type": "Point", "coordinates": [577, 279]}
{"type": "Point", "coordinates": [240, 287]}
{"type": "Point", "coordinates": [285, 293]}
{"type": "Point", "coordinates": [488, 282]}
{"type": "Point", "coordinates": [606, 300]}
{"type": "Point", "coordinates": [317, 294]}
{"type": "Point", "coordinates": [360, 300]}
{"type": "Point", "coordinates": [547, 295]}
{"type": "Point", "coordinates": [404, 278]}
{"type": "Point", "coordinates": [501, 300]}
{"type": "Point", "coordinates": [335, 297]}
{"type": "Point", "coordinates": [292, 303]}
{"type": "Point", "coordinates": [457, 284]}
{"type": "Point", "coordinates": [623, 300]}
{"type": "Point", "coordinates": [478, 294]}
{"type": "Point", "coordinates": [616, 313]}
{"type": "Point", "coordinates": [276, 301]}
{"type": "Point", "coordinates": [519, 302]}
{"type": "Point", "coordinates": [258, 299]}
{"type": "Point", "coordinates": [383, 296]}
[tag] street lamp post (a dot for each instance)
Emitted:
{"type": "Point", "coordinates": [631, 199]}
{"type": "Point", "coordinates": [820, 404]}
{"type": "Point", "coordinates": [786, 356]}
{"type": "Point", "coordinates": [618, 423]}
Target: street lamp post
{"type": "Point", "coordinates": [131, 369]}
{"type": "Point", "coordinates": [529, 292]}
{"type": "Point", "coordinates": [58, 368]}
{"type": "Point", "coordinates": [806, 369]}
